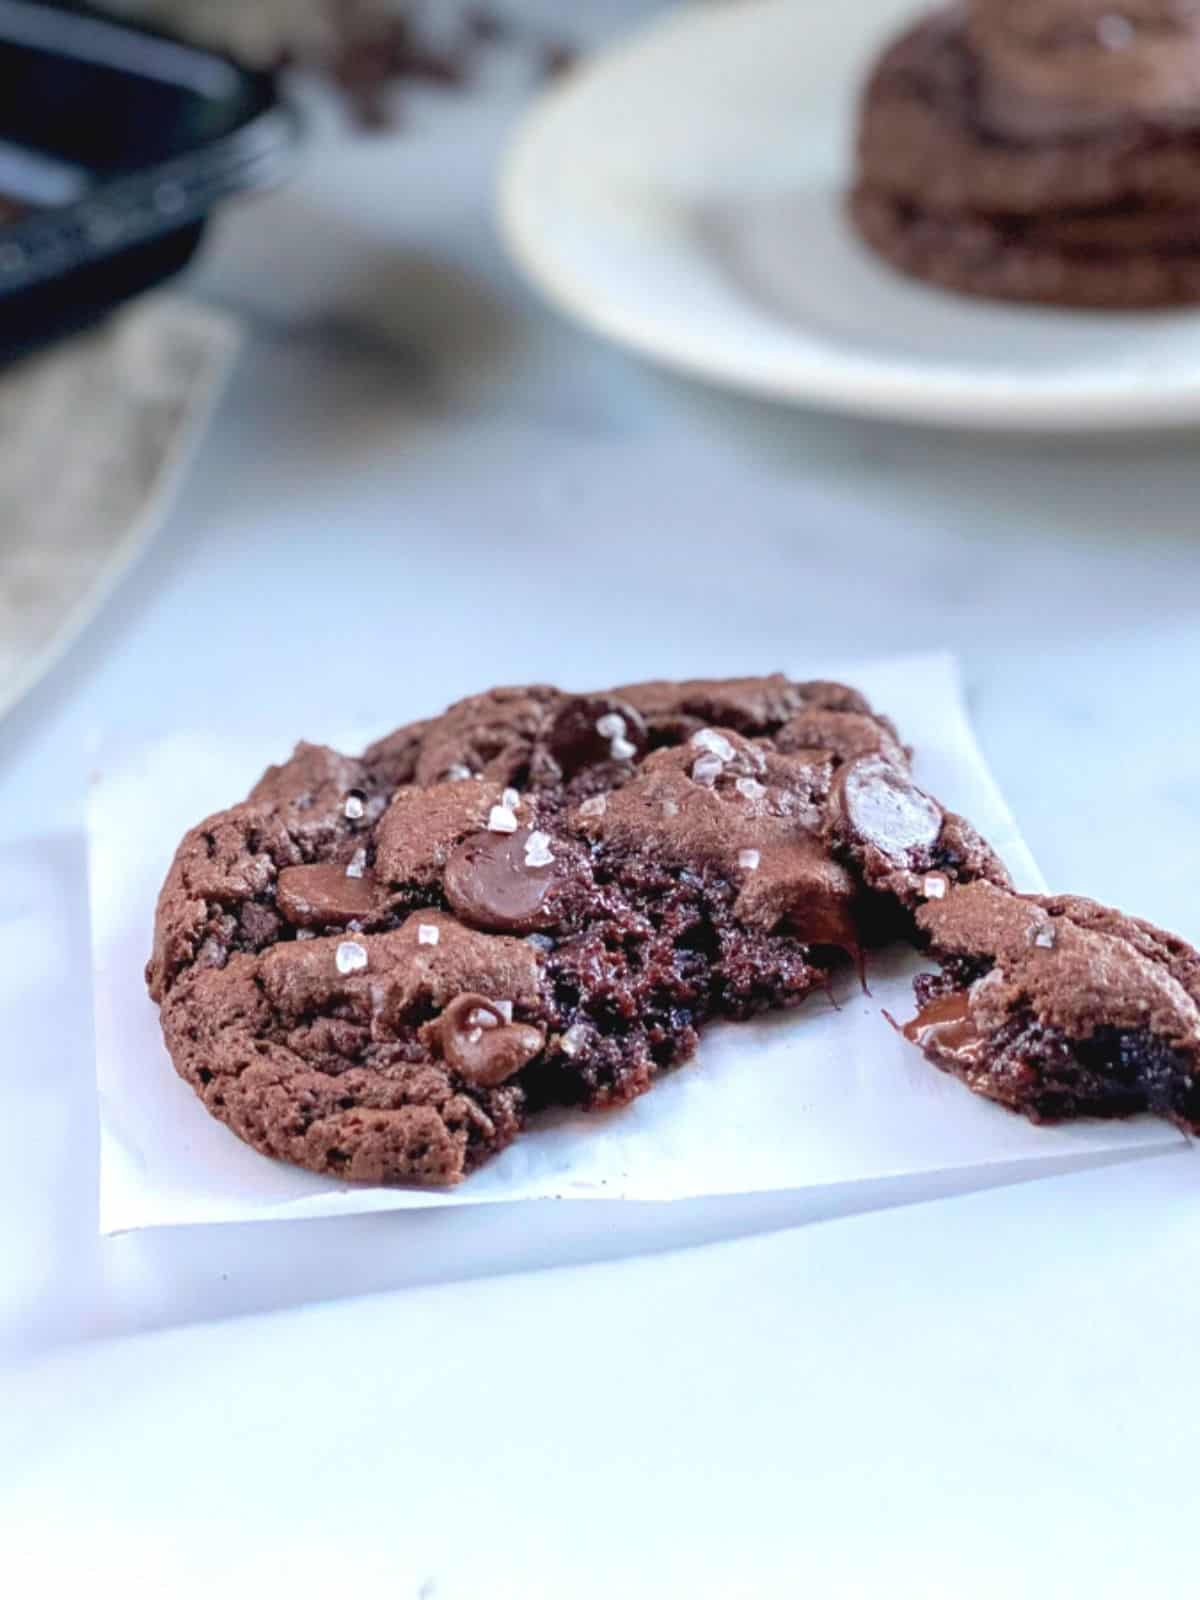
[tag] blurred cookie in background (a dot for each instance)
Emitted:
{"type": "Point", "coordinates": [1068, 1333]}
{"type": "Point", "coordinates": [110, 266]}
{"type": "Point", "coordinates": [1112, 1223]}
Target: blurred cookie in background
{"type": "Point", "coordinates": [1044, 150]}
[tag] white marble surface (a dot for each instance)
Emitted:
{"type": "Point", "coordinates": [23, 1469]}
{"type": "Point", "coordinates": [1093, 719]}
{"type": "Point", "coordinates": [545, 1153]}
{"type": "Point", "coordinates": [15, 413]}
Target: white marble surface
{"type": "Point", "coordinates": [420, 481]}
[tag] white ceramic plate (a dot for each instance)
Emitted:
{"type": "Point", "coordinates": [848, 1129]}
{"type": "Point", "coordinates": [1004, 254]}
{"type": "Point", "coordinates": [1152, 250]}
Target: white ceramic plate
{"type": "Point", "coordinates": [682, 195]}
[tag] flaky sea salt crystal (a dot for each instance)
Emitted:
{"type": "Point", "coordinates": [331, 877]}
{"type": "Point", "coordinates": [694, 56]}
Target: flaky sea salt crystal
{"type": "Point", "coordinates": [428, 933]}
{"type": "Point", "coordinates": [706, 769]}
{"type": "Point", "coordinates": [510, 799]}
{"type": "Point", "coordinates": [537, 850]}
{"type": "Point", "coordinates": [613, 727]}
{"type": "Point", "coordinates": [715, 743]}
{"type": "Point", "coordinates": [1115, 32]}
{"type": "Point", "coordinates": [355, 806]}
{"type": "Point", "coordinates": [501, 820]}
{"type": "Point", "coordinates": [350, 957]}
{"type": "Point", "coordinates": [749, 859]}
{"type": "Point", "coordinates": [750, 788]}
{"type": "Point", "coordinates": [305, 933]}
{"type": "Point", "coordinates": [504, 1007]}
{"type": "Point", "coordinates": [935, 886]}
{"type": "Point", "coordinates": [574, 1039]}
{"type": "Point", "coordinates": [357, 864]}
{"type": "Point", "coordinates": [595, 806]}
{"type": "Point", "coordinates": [670, 808]}
{"type": "Point", "coordinates": [457, 773]}
{"type": "Point", "coordinates": [540, 941]}
{"type": "Point", "coordinates": [1045, 937]}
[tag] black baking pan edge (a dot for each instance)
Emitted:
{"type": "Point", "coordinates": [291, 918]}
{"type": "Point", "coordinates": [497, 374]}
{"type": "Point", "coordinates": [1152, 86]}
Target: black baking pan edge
{"type": "Point", "coordinates": [135, 227]}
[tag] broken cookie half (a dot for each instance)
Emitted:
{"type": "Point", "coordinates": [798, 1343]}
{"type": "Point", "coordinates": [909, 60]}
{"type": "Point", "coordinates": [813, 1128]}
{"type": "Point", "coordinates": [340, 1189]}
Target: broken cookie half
{"type": "Point", "coordinates": [1058, 1007]}
{"type": "Point", "coordinates": [382, 966]}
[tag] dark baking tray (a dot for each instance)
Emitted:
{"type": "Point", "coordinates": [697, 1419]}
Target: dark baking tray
{"type": "Point", "coordinates": [118, 142]}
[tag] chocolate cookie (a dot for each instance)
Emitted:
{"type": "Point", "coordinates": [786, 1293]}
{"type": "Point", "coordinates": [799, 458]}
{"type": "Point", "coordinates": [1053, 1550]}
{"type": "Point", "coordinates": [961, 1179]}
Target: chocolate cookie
{"type": "Point", "coordinates": [381, 966]}
{"type": "Point", "coordinates": [1058, 1007]}
{"type": "Point", "coordinates": [1044, 151]}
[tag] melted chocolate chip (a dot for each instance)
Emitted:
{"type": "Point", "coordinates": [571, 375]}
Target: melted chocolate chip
{"type": "Point", "coordinates": [323, 896]}
{"type": "Point", "coordinates": [490, 883]}
{"type": "Point", "coordinates": [945, 1027]}
{"type": "Point", "coordinates": [480, 1043]}
{"type": "Point", "coordinates": [596, 728]}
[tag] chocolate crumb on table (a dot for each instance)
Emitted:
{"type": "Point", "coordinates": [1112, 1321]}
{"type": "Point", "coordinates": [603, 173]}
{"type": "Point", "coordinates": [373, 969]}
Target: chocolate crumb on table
{"type": "Point", "coordinates": [381, 966]}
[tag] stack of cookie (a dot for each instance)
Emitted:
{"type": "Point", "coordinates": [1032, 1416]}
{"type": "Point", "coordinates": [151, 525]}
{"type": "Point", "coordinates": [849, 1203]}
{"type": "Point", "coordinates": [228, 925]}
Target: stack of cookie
{"type": "Point", "coordinates": [1040, 150]}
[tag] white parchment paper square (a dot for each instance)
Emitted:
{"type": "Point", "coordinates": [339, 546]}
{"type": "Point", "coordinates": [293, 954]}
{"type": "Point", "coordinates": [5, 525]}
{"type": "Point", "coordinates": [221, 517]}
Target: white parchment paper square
{"type": "Point", "coordinates": [808, 1100]}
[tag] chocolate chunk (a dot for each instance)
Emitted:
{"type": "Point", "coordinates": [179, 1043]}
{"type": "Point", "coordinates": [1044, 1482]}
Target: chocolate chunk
{"type": "Point", "coordinates": [591, 729]}
{"type": "Point", "coordinates": [324, 896]}
{"type": "Point", "coordinates": [502, 881]}
{"type": "Point", "coordinates": [899, 840]}
{"type": "Point", "coordinates": [883, 808]}
{"type": "Point", "coordinates": [944, 1025]}
{"type": "Point", "coordinates": [482, 1043]}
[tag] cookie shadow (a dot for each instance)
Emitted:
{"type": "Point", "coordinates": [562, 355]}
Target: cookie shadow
{"type": "Point", "coordinates": [413, 319]}
{"type": "Point", "coordinates": [178, 1276]}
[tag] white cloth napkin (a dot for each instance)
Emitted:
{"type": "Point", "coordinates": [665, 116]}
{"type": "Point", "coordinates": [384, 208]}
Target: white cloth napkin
{"type": "Point", "coordinates": [815, 1098]}
{"type": "Point", "coordinates": [96, 432]}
